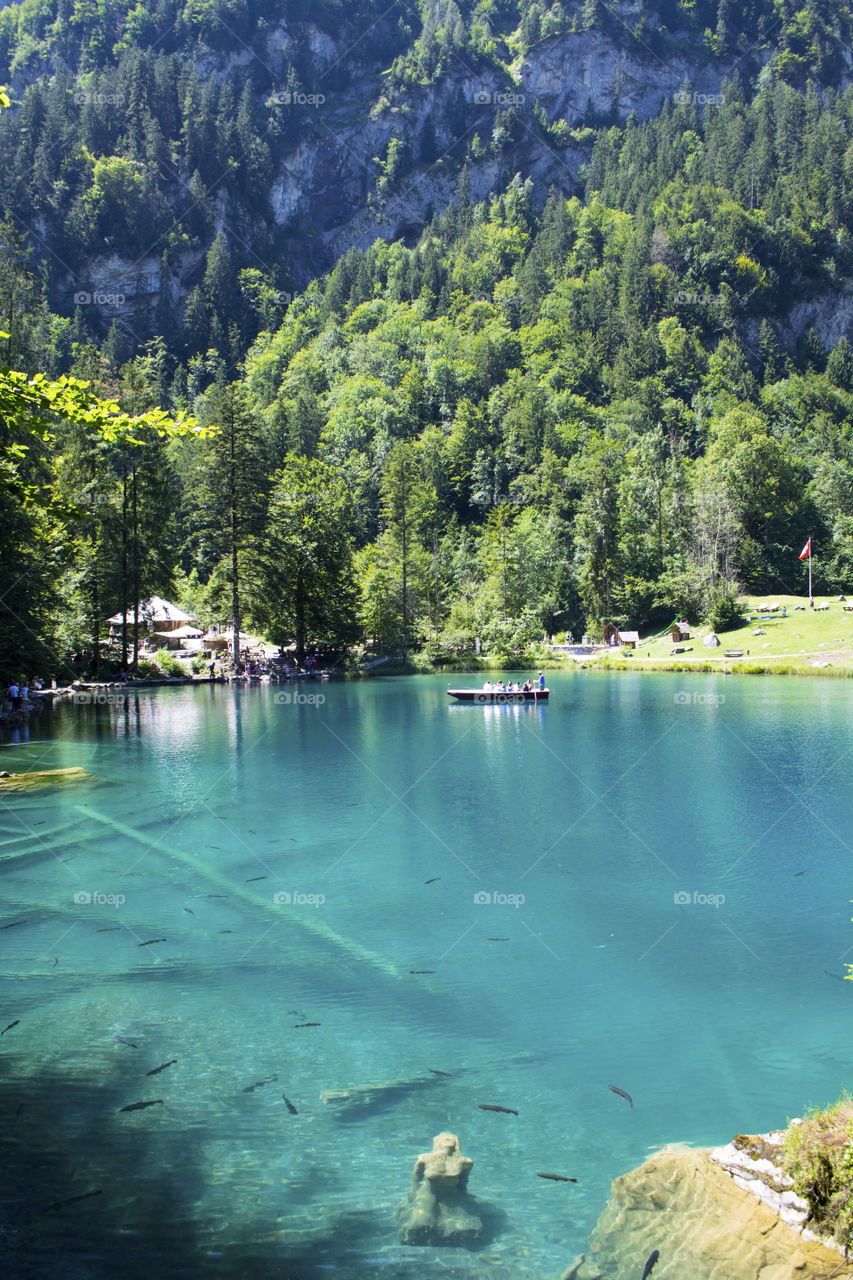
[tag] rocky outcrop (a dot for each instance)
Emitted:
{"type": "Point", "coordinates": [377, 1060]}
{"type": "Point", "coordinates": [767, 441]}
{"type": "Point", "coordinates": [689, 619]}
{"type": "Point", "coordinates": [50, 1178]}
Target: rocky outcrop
{"type": "Point", "coordinates": [439, 1210]}
{"type": "Point", "coordinates": [704, 1224]}
{"type": "Point", "coordinates": [323, 197]}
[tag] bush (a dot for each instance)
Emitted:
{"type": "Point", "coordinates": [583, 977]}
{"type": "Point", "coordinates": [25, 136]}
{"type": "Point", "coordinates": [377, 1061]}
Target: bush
{"type": "Point", "coordinates": [169, 665]}
{"type": "Point", "coordinates": [512, 638]}
{"type": "Point", "coordinates": [818, 1155]}
{"type": "Point", "coordinates": [725, 609]}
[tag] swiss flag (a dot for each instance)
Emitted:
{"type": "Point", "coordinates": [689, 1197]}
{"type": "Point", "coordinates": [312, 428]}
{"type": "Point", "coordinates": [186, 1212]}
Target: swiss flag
{"type": "Point", "coordinates": [807, 550]}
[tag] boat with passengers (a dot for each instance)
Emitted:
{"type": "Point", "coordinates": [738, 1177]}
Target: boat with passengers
{"type": "Point", "coordinates": [501, 693]}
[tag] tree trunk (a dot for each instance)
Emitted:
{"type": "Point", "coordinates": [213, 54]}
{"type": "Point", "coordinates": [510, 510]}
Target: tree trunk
{"type": "Point", "coordinates": [300, 616]}
{"type": "Point", "coordinates": [234, 526]}
{"type": "Point", "coordinates": [124, 573]}
{"type": "Point", "coordinates": [136, 582]}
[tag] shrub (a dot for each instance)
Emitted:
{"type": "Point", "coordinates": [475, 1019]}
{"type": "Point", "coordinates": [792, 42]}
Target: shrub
{"type": "Point", "coordinates": [818, 1155]}
{"type": "Point", "coordinates": [725, 609]}
{"type": "Point", "coordinates": [169, 665]}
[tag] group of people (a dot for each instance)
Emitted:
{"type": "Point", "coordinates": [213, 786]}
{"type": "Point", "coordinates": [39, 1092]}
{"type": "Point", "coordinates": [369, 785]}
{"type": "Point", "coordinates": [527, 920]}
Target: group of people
{"type": "Point", "coordinates": [527, 687]}
{"type": "Point", "coordinates": [18, 693]}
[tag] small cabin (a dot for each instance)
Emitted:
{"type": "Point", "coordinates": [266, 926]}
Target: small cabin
{"type": "Point", "coordinates": [629, 639]}
{"type": "Point", "coordinates": [679, 631]}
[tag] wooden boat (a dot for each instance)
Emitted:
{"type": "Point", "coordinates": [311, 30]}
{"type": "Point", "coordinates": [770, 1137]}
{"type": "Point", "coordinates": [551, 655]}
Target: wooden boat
{"type": "Point", "coordinates": [486, 697]}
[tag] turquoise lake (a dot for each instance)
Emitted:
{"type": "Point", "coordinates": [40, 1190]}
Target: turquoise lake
{"type": "Point", "coordinates": [644, 884]}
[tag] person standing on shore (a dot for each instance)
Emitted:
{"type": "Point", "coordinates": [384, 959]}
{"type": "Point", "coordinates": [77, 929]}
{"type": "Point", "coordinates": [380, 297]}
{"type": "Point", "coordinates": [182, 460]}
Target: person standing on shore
{"type": "Point", "coordinates": [14, 695]}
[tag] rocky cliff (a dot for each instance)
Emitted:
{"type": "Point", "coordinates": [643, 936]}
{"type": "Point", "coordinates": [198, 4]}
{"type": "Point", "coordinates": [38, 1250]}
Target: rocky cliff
{"type": "Point", "coordinates": [325, 195]}
{"type": "Point", "coordinates": [704, 1224]}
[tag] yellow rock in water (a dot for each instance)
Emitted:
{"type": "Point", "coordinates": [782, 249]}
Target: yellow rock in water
{"type": "Point", "coordinates": [44, 778]}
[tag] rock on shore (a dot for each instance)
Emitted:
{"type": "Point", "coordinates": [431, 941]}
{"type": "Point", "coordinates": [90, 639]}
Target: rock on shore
{"type": "Point", "coordinates": [704, 1225]}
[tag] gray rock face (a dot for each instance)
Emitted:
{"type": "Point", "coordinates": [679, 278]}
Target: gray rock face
{"type": "Point", "coordinates": [323, 197]}
{"type": "Point", "coordinates": [590, 70]}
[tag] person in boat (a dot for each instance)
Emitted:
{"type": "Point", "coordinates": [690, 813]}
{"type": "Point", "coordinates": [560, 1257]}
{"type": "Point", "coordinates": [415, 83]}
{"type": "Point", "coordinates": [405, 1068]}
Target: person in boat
{"type": "Point", "coordinates": [541, 681]}
{"type": "Point", "coordinates": [487, 687]}
{"type": "Point", "coordinates": [527, 687]}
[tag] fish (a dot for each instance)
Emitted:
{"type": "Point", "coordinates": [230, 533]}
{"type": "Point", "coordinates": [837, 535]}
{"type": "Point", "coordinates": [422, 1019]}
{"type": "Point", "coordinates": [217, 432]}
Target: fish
{"type": "Point", "coordinates": [250, 1088]}
{"type": "Point", "coordinates": [140, 1106]}
{"type": "Point", "coordinates": [252, 879]}
{"type": "Point", "coordinates": [422, 971]}
{"type": "Point", "coordinates": [13, 925]}
{"type": "Point", "coordinates": [10, 1026]}
{"type": "Point", "coordinates": [149, 942]}
{"type": "Point", "coordinates": [555, 1177]}
{"type": "Point", "coordinates": [622, 1093]}
{"type": "Point", "coordinates": [129, 1043]}
{"type": "Point", "coordinates": [497, 939]}
{"type": "Point", "coordinates": [290, 1105]}
{"type": "Point", "coordinates": [433, 880]}
{"type": "Point", "coordinates": [436, 1072]}
{"type": "Point", "coordinates": [58, 1204]}
{"type": "Point", "coordinates": [113, 929]}
{"type": "Point", "coordinates": [226, 930]}
{"type": "Point", "coordinates": [214, 895]}
{"type": "Point", "coordinates": [506, 1110]}
{"type": "Point", "coordinates": [189, 913]}
{"type": "Point", "coordinates": [650, 1262]}
{"type": "Point", "coordinates": [307, 1024]}
{"type": "Point", "coordinates": [838, 978]}
{"type": "Point", "coordinates": [155, 1071]}
{"type": "Point", "coordinates": [799, 873]}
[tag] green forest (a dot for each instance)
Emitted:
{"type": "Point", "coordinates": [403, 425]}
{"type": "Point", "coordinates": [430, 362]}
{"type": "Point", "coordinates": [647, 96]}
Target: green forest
{"type": "Point", "coordinates": [529, 418]}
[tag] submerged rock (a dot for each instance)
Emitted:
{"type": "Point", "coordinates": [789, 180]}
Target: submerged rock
{"type": "Point", "coordinates": [439, 1210]}
{"type": "Point", "coordinates": [705, 1226]}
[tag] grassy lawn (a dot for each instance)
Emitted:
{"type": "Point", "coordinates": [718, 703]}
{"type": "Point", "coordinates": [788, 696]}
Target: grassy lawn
{"type": "Point", "coordinates": [804, 639]}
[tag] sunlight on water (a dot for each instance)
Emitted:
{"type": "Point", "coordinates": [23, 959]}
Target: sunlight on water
{"type": "Point", "coordinates": [637, 885]}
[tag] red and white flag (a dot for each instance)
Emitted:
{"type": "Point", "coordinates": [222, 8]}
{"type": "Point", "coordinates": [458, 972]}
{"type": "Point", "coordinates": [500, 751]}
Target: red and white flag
{"type": "Point", "coordinates": [807, 550]}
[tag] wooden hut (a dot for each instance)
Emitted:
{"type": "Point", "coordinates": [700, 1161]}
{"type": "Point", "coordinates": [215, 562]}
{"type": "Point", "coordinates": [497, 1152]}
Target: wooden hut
{"type": "Point", "coordinates": [155, 615]}
{"type": "Point", "coordinates": [629, 639]}
{"type": "Point", "coordinates": [679, 631]}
